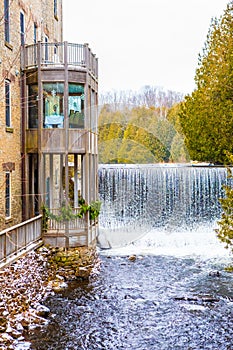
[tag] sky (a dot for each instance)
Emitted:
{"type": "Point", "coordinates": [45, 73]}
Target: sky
{"type": "Point", "coordinates": [142, 42]}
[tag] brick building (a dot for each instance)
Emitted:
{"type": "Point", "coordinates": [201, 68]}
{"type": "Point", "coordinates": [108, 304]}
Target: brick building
{"type": "Point", "coordinates": [48, 94]}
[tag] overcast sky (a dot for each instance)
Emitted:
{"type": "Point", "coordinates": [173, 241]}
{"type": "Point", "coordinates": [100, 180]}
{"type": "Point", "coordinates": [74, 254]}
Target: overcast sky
{"type": "Point", "coordinates": [142, 42]}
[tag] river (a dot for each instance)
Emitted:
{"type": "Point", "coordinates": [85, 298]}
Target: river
{"type": "Point", "coordinates": [164, 286]}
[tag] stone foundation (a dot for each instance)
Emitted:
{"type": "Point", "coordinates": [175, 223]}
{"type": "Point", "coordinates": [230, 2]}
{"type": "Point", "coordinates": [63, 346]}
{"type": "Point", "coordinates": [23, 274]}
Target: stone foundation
{"type": "Point", "coordinates": [72, 263]}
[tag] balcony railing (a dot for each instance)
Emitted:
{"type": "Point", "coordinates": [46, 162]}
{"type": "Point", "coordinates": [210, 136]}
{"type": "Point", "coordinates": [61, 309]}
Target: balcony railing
{"type": "Point", "coordinates": [75, 224]}
{"type": "Point", "coordinates": [54, 140]}
{"type": "Point", "coordinates": [52, 55]}
{"type": "Point", "coordinates": [70, 233]}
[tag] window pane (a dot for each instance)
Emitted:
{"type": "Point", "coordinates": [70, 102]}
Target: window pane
{"type": "Point", "coordinates": [22, 32]}
{"type": "Point", "coordinates": [46, 48]}
{"type": "Point", "coordinates": [8, 196]}
{"type": "Point", "coordinates": [55, 8]}
{"type": "Point", "coordinates": [33, 106]}
{"type": "Point", "coordinates": [35, 33]}
{"type": "Point", "coordinates": [53, 96]}
{"type": "Point", "coordinates": [7, 103]}
{"type": "Point", "coordinates": [76, 106]}
{"type": "Point", "coordinates": [7, 20]}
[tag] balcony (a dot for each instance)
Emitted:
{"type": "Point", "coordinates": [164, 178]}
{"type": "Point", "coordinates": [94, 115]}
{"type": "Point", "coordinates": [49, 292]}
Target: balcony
{"type": "Point", "coordinates": [54, 141]}
{"type": "Point", "coordinates": [61, 86]}
{"type": "Point", "coordinates": [58, 56]}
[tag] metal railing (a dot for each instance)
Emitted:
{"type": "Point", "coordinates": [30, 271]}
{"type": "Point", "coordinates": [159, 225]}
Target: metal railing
{"type": "Point", "coordinates": [15, 240]}
{"type": "Point", "coordinates": [58, 55]}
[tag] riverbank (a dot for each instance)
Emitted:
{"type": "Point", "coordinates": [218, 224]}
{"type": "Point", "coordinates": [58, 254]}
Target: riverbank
{"type": "Point", "coordinates": [25, 284]}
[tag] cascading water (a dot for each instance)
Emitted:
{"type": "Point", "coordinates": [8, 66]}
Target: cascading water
{"type": "Point", "coordinates": [174, 293]}
{"type": "Point", "coordinates": [163, 204]}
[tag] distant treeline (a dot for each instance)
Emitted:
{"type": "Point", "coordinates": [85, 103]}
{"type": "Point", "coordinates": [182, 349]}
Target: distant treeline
{"type": "Point", "coordinates": [141, 127]}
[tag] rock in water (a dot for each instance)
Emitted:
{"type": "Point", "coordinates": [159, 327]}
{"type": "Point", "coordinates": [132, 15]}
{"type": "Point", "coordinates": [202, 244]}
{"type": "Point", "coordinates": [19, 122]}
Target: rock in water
{"type": "Point", "coordinates": [42, 311]}
{"type": "Point", "coordinates": [132, 258]}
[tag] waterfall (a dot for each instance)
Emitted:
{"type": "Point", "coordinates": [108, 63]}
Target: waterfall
{"type": "Point", "coordinates": [137, 199]}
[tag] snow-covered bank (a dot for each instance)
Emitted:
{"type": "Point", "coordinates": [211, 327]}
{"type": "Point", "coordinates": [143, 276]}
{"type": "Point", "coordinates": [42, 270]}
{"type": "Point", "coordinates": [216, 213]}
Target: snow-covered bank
{"type": "Point", "coordinates": [25, 284]}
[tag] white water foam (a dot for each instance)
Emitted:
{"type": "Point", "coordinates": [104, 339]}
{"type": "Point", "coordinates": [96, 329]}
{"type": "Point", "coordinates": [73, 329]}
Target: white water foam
{"type": "Point", "coordinates": [201, 241]}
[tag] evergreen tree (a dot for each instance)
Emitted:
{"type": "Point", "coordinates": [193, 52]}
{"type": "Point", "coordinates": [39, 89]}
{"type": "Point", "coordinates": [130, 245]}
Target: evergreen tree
{"type": "Point", "coordinates": [207, 115]}
{"type": "Point", "coordinates": [225, 230]}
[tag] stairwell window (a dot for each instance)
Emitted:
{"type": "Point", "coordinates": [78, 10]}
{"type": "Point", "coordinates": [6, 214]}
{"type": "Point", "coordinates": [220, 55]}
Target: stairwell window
{"type": "Point", "coordinates": [33, 106]}
{"type": "Point", "coordinates": [22, 28]}
{"type": "Point", "coordinates": [46, 47]}
{"type": "Point", "coordinates": [35, 33]}
{"type": "Point", "coordinates": [55, 9]}
{"type": "Point", "coordinates": [7, 195]}
{"type": "Point", "coordinates": [7, 20]}
{"type": "Point", "coordinates": [7, 103]}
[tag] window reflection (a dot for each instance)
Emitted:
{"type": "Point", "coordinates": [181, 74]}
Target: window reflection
{"type": "Point", "coordinates": [33, 106]}
{"type": "Point", "coordinates": [76, 106]}
{"type": "Point", "coordinates": [53, 105]}
{"type": "Point", "coordinates": [53, 96]}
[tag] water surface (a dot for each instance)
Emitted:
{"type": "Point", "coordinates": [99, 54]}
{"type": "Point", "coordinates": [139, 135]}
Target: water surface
{"type": "Point", "coordinates": [175, 294]}
{"type": "Point", "coordinates": [154, 302]}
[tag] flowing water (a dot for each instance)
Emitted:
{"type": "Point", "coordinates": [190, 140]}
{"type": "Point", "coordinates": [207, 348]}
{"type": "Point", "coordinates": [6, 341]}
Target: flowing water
{"type": "Point", "coordinates": [174, 293]}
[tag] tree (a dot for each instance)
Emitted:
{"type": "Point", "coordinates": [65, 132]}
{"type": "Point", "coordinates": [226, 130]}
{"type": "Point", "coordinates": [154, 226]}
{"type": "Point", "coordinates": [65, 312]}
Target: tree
{"type": "Point", "coordinates": [178, 152]}
{"type": "Point", "coordinates": [140, 126]}
{"type": "Point", "coordinates": [135, 135]}
{"type": "Point", "coordinates": [148, 96]}
{"type": "Point", "coordinates": [142, 132]}
{"type": "Point", "coordinates": [207, 115]}
{"type": "Point", "coordinates": [225, 230]}
{"type": "Point", "coordinates": [111, 133]}
{"type": "Point", "coordinates": [149, 143]}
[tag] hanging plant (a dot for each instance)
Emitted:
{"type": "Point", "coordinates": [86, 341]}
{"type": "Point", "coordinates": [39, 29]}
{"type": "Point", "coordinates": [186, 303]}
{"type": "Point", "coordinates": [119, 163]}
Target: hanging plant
{"type": "Point", "coordinates": [45, 218]}
{"type": "Point", "coordinates": [66, 212]}
{"type": "Point", "coordinates": [93, 208]}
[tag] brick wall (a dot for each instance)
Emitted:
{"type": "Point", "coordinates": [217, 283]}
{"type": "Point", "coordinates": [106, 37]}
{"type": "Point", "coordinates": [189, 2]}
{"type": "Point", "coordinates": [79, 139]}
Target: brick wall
{"type": "Point", "coordinates": [41, 13]}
